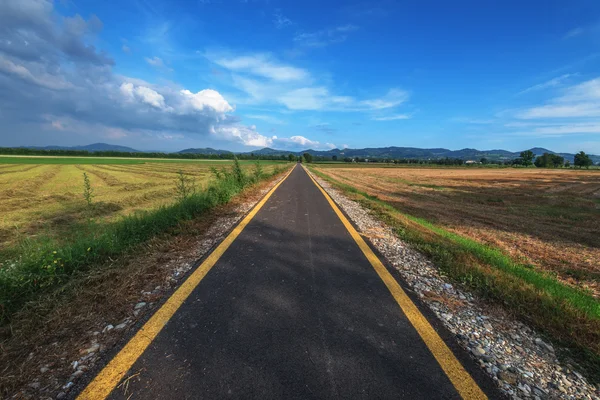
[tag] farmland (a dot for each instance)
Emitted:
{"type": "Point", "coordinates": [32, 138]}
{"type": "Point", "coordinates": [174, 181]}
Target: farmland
{"type": "Point", "coordinates": [43, 195]}
{"type": "Point", "coordinates": [544, 218]}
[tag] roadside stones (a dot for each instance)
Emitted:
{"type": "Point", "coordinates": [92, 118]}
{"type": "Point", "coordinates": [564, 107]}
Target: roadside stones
{"type": "Point", "coordinates": [523, 365]}
{"type": "Point", "coordinates": [92, 349]}
{"type": "Point", "coordinates": [478, 351]}
{"type": "Point", "coordinates": [108, 328]}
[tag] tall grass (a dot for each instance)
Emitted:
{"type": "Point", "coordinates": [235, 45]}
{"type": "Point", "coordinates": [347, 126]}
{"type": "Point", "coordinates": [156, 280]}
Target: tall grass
{"type": "Point", "coordinates": [38, 264]}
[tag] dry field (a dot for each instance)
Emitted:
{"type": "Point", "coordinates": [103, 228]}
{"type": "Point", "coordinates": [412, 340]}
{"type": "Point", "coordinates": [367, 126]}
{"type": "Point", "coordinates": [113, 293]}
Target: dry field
{"type": "Point", "coordinates": [46, 197]}
{"type": "Point", "coordinates": [549, 219]}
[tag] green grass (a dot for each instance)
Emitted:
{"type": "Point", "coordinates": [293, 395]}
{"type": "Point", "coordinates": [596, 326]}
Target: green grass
{"type": "Point", "coordinates": [42, 263]}
{"type": "Point", "coordinates": [115, 160]}
{"type": "Point", "coordinates": [569, 315]}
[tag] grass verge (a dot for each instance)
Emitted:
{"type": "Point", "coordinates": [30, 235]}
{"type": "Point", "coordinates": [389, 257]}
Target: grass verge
{"type": "Point", "coordinates": [570, 316]}
{"type": "Point", "coordinates": [40, 264]}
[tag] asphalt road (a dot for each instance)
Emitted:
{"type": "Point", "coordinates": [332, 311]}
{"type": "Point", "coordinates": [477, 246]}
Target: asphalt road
{"type": "Point", "coordinates": [292, 310]}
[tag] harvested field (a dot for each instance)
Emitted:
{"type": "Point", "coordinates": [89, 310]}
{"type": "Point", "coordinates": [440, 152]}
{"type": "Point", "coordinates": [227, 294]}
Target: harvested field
{"type": "Point", "coordinates": [549, 219]}
{"type": "Point", "coordinates": [45, 197]}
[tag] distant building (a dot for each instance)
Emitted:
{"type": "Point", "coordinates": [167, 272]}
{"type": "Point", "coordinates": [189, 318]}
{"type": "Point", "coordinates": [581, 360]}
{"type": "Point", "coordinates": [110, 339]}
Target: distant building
{"type": "Point", "coordinates": [471, 162]}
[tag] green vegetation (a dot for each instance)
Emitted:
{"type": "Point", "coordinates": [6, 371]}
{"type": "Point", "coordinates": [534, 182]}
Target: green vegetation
{"type": "Point", "coordinates": [117, 160]}
{"type": "Point", "coordinates": [41, 263]}
{"type": "Point", "coordinates": [527, 158]}
{"type": "Point", "coordinates": [307, 157]}
{"type": "Point", "coordinates": [548, 160]}
{"type": "Point", "coordinates": [582, 160]}
{"type": "Point", "coordinates": [571, 316]}
{"type": "Point", "coordinates": [88, 192]}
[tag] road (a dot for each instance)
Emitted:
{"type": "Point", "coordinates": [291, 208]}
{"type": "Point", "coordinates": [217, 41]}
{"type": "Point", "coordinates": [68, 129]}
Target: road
{"type": "Point", "coordinates": [292, 309]}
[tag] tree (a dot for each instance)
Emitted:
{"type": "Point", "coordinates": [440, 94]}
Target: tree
{"type": "Point", "coordinates": [567, 163]}
{"type": "Point", "coordinates": [334, 158]}
{"type": "Point", "coordinates": [527, 158]}
{"type": "Point", "coordinates": [483, 160]}
{"type": "Point", "coordinates": [582, 160]}
{"type": "Point", "coordinates": [292, 157]}
{"type": "Point", "coordinates": [308, 157]}
{"type": "Point", "coordinates": [548, 160]}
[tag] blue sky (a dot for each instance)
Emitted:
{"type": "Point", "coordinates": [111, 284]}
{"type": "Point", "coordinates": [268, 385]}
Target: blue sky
{"type": "Point", "coordinates": [239, 75]}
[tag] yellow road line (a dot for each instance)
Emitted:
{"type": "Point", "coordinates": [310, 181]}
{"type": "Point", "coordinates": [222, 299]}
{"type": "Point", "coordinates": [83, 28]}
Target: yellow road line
{"type": "Point", "coordinates": [460, 378]}
{"type": "Point", "coordinates": [111, 375]}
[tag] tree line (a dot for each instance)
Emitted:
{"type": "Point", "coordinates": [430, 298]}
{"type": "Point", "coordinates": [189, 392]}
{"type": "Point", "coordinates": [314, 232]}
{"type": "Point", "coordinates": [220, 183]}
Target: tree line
{"type": "Point", "coordinates": [526, 158]}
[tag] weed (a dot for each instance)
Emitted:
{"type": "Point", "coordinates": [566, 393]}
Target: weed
{"type": "Point", "coordinates": [184, 185]}
{"type": "Point", "coordinates": [257, 172]}
{"type": "Point", "coordinates": [88, 191]}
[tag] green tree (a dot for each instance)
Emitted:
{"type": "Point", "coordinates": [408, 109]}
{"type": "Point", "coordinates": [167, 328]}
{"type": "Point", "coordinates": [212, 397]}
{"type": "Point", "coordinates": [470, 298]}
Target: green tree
{"type": "Point", "coordinates": [292, 157]}
{"type": "Point", "coordinates": [334, 158]}
{"type": "Point", "coordinates": [527, 157]}
{"type": "Point", "coordinates": [548, 160]}
{"type": "Point", "coordinates": [582, 160]}
{"type": "Point", "coordinates": [308, 157]}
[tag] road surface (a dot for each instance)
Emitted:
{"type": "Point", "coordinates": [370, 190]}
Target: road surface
{"type": "Point", "coordinates": [291, 309]}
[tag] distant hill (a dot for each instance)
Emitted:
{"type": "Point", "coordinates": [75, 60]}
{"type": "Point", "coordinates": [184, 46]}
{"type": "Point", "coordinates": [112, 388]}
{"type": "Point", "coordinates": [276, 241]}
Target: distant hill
{"type": "Point", "coordinates": [206, 150]}
{"type": "Point", "coordinates": [89, 147]}
{"type": "Point", "coordinates": [391, 152]}
{"type": "Point", "coordinates": [418, 153]}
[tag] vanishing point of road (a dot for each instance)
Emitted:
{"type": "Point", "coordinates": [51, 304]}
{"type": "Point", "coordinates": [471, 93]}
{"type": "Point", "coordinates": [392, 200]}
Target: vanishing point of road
{"type": "Point", "coordinates": [293, 304]}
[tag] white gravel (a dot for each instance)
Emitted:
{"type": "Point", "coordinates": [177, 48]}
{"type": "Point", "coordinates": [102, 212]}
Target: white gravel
{"type": "Point", "coordinates": [521, 363]}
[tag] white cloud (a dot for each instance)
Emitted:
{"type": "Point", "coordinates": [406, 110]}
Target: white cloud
{"type": "Point", "coordinates": [394, 98]}
{"type": "Point", "coordinates": [324, 37]}
{"type": "Point", "coordinates": [246, 135]}
{"type": "Point", "coordinates": [561, 111]}
{"type": "Point", "coordinates": [578, 101]}
{"type": "Point", "coordinates": [262, 65]}
{"type": "Point", "coordinates": [126, 49]}
{"type": "Point", "coordinates": [393, 117]}
{"type": "Point", "coordinates": [41, 79]}
{"type": "Point", "coordinates": [158, 63]}
{"type": "Point", "coordinates": [280, 20]}
{"type": "Point", "coordinates": [265, 80]}
{"type": "Point", "coordinates": [554, 82]}
{"type": "Point", "coordinates": [143, 94]}
{"type": "Point", "coordinates": [266, 118]}
{"type": "Point", "coordinates": [207, 98]}
{"type": "Point", "coordinates": [574, 33]}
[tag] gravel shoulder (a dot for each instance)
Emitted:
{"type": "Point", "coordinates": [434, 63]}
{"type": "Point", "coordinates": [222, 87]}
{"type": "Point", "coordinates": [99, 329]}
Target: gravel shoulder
{"type": "Point", "coordinates": [523, 364]}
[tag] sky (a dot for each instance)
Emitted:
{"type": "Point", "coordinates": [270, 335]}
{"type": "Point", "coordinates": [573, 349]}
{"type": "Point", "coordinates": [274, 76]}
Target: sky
{"type": "Point", "coordinates": [245, 74]}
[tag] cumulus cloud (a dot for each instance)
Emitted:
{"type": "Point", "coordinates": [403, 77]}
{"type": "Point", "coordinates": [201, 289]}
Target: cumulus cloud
{"type": "Point", "coordinates": [53, 80]}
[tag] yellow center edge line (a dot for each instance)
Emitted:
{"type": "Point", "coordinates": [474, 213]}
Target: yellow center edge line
{"type": "Point", "coordinates": [109, 377]}
{"type": "Point", "coordinates": [459, 377]}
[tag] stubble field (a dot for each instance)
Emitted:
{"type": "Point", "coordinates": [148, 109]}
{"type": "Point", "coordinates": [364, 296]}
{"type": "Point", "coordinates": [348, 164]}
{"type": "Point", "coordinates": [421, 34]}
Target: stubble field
{"type": "Point", "coordinates": [547, 219]}
{"type": "Point", "coordinates": [44, 195]}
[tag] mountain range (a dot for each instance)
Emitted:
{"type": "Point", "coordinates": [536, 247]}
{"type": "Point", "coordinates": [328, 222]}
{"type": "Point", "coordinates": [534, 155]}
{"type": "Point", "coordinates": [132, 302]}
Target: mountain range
{"type": "Point", "coordinates": [392, 152]}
